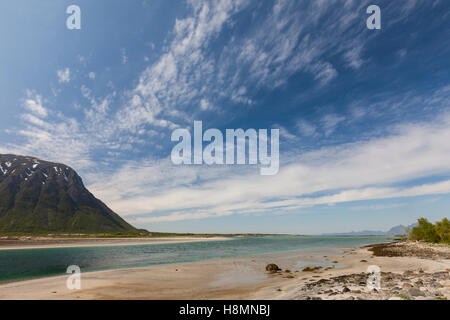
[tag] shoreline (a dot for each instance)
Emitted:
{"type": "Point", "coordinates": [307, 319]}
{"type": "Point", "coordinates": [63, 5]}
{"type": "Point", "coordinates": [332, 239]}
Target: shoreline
{"type": "Point", "coordinates": [53, 243]}
{"type": "Point", "coordinates": [219, 278]}
{"type": "Point", "coordinates": [414, 274]}
{"type": "Point", "coordinates": [341, 276]}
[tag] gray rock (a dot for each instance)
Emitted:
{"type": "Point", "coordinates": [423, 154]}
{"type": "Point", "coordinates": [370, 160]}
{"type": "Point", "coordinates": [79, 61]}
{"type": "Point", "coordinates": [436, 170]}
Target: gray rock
{"type": "Point", "coordinates": [415, 292]}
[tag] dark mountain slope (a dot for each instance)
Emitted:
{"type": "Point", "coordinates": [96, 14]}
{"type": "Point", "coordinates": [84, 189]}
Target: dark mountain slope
{"type": "Point", "coordinates": [37, 196]}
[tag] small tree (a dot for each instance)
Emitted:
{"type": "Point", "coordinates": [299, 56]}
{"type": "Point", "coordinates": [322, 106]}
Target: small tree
{"type": "Point", "coordinates": [425, 231]}
{"type": "Point", "coordinates": [443, 230]}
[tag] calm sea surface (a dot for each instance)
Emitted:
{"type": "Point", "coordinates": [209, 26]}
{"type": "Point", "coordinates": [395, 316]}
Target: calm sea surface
{"type": "Point", "coordinates": [33, 263]}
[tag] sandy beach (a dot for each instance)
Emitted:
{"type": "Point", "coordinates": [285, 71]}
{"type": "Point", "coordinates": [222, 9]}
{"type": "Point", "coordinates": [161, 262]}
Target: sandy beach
{"type": "Point", "coordinates": [419, 272]}
{"type": "Point", "coordinates": [48, 242]}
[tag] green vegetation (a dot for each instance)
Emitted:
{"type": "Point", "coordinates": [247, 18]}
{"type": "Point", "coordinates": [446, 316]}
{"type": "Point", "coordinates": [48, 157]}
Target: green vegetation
{"type": "Point", "coordinates": [434, 233]}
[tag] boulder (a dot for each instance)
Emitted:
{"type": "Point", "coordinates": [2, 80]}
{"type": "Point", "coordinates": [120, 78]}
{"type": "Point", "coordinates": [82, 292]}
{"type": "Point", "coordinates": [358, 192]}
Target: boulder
{"type": "Point", "coordinates": [311, 269]}
{"type": "Point", "coordinates": [272, 267]}
{"type": "Point", "coordinates": [415, 292]}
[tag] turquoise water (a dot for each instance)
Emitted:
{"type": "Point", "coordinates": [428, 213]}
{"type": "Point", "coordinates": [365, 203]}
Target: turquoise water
{"type": "Point", "coordinates": [33, 263]}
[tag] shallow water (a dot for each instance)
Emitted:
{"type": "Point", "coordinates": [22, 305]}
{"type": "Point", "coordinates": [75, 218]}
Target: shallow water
{"type": "Point", "coordinates": [34, 263]}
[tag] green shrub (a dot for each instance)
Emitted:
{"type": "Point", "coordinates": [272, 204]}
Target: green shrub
{"type": "Point", "coordinates": [443, 230]}
{"type": "Point", "coordinates": [426, 231]}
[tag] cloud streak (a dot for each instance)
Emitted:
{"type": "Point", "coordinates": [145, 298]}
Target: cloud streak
{"type": "Point", "coordinates": [63, 75]}
{"type": "Point", "coordinates": [349, 172]}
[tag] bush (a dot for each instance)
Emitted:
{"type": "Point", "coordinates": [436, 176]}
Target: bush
{"type": "Point", "coordinates": [428, 232]}
{"type": "Point", "coordinates": [443, 230]}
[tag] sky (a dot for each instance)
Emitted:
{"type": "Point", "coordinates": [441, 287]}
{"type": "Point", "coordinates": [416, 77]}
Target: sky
{"type": "Point", "coordinates": [364, 115]}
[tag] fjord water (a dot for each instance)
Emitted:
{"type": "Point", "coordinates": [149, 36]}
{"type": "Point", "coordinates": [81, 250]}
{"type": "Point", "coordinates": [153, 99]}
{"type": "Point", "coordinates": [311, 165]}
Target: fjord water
{"type": "Point", "coordinates": [33, 263]}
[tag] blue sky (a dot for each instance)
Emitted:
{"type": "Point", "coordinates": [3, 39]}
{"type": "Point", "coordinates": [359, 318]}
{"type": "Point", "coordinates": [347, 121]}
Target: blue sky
{"type": "Point", "coordinates": [363, 114]}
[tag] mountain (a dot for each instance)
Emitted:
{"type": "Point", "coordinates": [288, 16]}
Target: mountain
{"type": "Point", "coordinates": [38, 196]}
{"type": "Point", "coordinates": [400, 229]}
{"type": "Point", "coordinates": [397, 230]}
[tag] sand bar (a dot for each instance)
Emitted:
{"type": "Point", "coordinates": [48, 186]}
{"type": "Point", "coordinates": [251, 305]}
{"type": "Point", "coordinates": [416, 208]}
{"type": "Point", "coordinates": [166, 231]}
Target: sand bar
{"type": "Point", "coordinates": [45, 242]}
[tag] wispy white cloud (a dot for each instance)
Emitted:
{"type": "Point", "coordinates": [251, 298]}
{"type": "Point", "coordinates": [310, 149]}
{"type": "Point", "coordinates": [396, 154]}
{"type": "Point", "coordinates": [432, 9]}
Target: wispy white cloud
{"type": "Point", "coordinates": [124, 56]}
{"type": "Point", "coordinates": [191, 74]}
{"type": "Point", "coordinates": [63, 75]}
{"type": "Point", "coordinates": [305, 128]}
{"type": "Point", "coordinates": [285, 133]}
{"type": "Point", "coordinates": [277, 45]}
{"type": "Point", "coordinates": [61, 142]}
{"type": "Point", "coordinates": [330, 123]}
{"type": "Point", "coordinates": [353, 171]}
{"type": "Point", "coordinates": [181, 74]}
{"type": "Point", "coordinates": [296, 205]}
{"type": "Point", "coordinates": [206, 105]}
{"type": "Point", "coordinates": [33, 103]}
{"type": "Point", "coordinates": [324, 72]}
{"type": "Point", "coordinates": [349, 172]}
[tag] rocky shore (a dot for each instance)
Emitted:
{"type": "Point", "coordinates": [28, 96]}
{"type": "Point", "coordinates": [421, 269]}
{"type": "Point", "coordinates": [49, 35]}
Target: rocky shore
{"type": "Point", "coordinates": [410, 249]}
{"type": "Point", "coordinates": [395, 286]}
{"type": "Point", "coordinates": [406, 271]}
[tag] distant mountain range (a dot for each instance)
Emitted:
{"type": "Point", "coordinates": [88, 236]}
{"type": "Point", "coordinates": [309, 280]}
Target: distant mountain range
{"type": "Point", "coordinates": [38, 196]}
{"type": "Point", "coordinates": [397, 230]}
